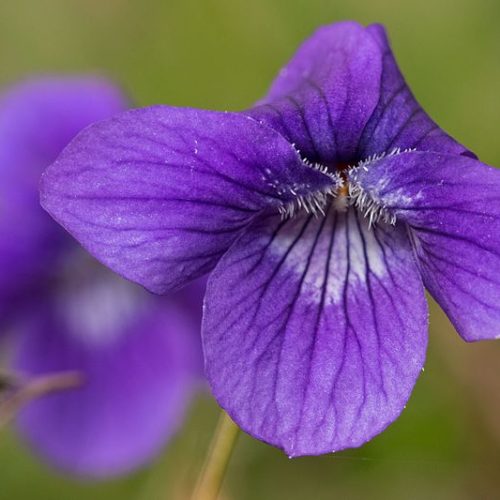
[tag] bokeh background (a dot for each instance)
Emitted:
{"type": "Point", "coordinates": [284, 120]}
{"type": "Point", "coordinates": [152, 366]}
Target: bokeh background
{"type": "Point", "coordinates": [223, 54]}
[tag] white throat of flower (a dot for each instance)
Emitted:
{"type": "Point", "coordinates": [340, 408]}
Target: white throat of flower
{"type": "Point", "coordinates": [344, 192]}
{"type": "Point", "coordinates": [100, 311]}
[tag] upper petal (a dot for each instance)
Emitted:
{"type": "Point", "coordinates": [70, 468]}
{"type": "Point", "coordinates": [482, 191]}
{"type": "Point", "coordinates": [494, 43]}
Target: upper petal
{"type": "Point", "coordinates": [343, 98]}
{"type": "Point", "coordinates": [398, 120]}
{"type": "Point", "coordinates": [315, 331]}
{"type": "Point", "coordinates": [452, 205]}
{"type": "Point", "coordinates": [323, 98]}
{"type": "Point", "coordinates": [37, 119]}
{"type": "Point", "coordinates": [138, 357]}
{"type": "Point", "coordinates": [158, 194]}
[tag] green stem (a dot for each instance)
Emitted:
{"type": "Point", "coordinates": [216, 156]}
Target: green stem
{"type": "Point", "coordinates": [214, 469]}
{"type": "Point", "coordinates": [18, 396]}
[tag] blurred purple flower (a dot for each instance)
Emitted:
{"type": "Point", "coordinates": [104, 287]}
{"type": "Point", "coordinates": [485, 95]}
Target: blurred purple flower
{"type": "Point", "coordinates": [138, 355]}
{"type": "Point", "coordinates": [315, 321]}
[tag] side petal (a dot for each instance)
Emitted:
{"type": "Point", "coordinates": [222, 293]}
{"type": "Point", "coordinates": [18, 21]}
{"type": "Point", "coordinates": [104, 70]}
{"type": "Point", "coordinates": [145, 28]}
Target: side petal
{"type": "Point", "coordinates": [139, 358]}
{"type": "Point", "coordinates": [315, 331]}
{"type": "Point", "coordinates": [158, 194]}
{"type": "Point", "coordinates": [452, 207]}
{"type": "Point", "coordinates": [323, 98]}
{"type": "Point", "coordinates": [38, 118]}
{"type": "Point", "coordinates": [398, 120]}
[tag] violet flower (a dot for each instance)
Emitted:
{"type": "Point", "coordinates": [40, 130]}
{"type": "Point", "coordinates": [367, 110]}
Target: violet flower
{"type": "Point", "coordinates": [137, 355]}
{"type": "Point", "coordinates": [322, 213]}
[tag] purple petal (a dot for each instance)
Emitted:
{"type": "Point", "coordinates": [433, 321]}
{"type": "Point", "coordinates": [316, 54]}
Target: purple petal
{"type": "Point", "coordinates": [158, 194]}
{"type": "Point", "coordinates": [37, 119]}
{"type": "Point", "coordinates": [323, 98]}
{"type": "Point", "coordinates": [139, 356]}
{"type": "Point", "coordinates": [398, 121]}
{"type": "Point", "coordinates": [315, 331]}
{"type": "Point", "coordinates": [342, 98]}
{"type": "Point", "coordinates": [452, 205]}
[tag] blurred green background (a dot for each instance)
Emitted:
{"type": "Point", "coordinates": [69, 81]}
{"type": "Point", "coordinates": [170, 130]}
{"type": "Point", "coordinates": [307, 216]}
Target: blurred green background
{"type": "Point", "coordinates": [223, 54]}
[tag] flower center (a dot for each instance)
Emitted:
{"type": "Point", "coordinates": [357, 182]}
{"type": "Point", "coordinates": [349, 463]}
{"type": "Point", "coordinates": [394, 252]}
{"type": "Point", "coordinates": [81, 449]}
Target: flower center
{"type": "Point", "coordinates": [344, 193]}
{"type": "Point", "coordinates": [102, 309]}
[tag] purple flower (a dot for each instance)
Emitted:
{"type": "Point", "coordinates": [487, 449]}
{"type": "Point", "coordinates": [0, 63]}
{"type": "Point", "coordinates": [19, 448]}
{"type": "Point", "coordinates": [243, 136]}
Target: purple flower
{"type": "Point", "coordinates": [137, 355]}
{"type": "Point", "coordinates": [322, 213]}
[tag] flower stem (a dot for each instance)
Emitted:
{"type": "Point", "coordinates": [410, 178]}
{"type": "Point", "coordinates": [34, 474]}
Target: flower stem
{"type": "Point", "coordinates": [19, 393]}
{"type": "Point", "coordinates": [216, 462]}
